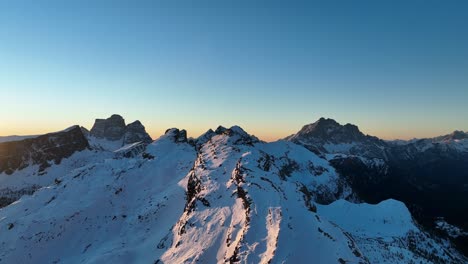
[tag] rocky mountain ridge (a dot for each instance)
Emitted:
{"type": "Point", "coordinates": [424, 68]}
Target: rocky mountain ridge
{"type": "Point", "coordinates": [414, 171]}
{"type": "Point", "coordinates": [41, 150]}
{"type": "Point", "coordinates": [226, 196]}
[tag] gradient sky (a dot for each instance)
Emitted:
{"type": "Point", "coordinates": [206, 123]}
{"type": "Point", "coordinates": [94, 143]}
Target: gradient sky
{"type": "Point", "coordinates": [397, 69]}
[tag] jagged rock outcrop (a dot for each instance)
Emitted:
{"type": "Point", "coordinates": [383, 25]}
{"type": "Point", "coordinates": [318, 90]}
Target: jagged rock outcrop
{"type": "Point", "coordinates": [85, 131]}
{"type": "Point", "coordinates": [114, 129]}
{"type": "Point", "coordinates": [205, 137]}
{"type": "Point", "coordinates": [135, 132]}
{"type": "Point", "coordinates": [233, 199]}
{"type": "Point", "coordinates": [237, 135]}
{"type": "Point", "coordinates": [179, 136]}
{"type": "Point", "coordinates": [42, 150]}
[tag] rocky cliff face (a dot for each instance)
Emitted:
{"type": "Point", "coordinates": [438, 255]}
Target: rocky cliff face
{"type": "Point", "coordinates": [42, 150]}
{"type": "Point", "coordinates": [114, 129]}
{"type": "Point", "coordinates": [230, 199]}
{"type": "Point", "coordinates": [327, 136]}
{"type": "Point", "coordinates": [179, 136]}
{"type": "Point", "coordinates": [412, 171]}
{"type": "Point", "coordinates": [135, 132]}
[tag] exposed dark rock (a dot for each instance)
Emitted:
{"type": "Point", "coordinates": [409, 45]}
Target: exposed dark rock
{"type": "Point", "coordinates": [85, 131]}
{"type": "Point", "coordinates": [8, 196]}
{"type": "Point", "coordinates": [205, 137]}
{"type": "Point", "coordinates": [429, 175]}
{"type": "Point", "coordinates": [220, 130]}
{"type": "Point", "coordinates": [135, 132]}
{"type": "Point", "coordinates": [42, 150]}
{"type": "Point", "coordinates": [112, 128]}
{"type": "Point", "coordinates": [179, 136]}
{"type": "Point", "coordinates": [287, 168]}
{"type": "Point", "coordinates": [132, 151]}
{"type": "Point", "coordinates": [318, 136]}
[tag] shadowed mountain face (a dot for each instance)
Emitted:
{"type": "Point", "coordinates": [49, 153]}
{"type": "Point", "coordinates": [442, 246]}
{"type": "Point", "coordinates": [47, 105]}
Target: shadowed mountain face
{"type": "Point", "coordinates": [114, 128]}
{"type": "Point", "coordinates": [225, 197]}
{"type": "Point", "coordinates": [229, 197]}
{"type": "Point", "coordinates": [41, 150]}
{"type": "Point", "coordinates": [327, 136]}
{"type": "Point", "coordinates": [33, 161]}
{"type": "Point", "coordinates": [429, 175]}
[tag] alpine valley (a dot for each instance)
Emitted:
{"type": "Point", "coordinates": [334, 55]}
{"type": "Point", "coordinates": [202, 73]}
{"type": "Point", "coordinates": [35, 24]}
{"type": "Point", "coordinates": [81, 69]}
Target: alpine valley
{"type": "Point", "coordinates": [327, 194]}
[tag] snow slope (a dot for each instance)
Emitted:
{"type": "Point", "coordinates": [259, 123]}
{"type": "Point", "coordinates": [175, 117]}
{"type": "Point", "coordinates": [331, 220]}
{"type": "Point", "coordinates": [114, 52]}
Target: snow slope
{"type": "Point", "coordinates": [239, 209]}
{"type": "Point", "coordinates": [229, 199]}
{"type": "Point", "coordinates": [386, 233]}
{"type": "Point", "coordinates": [112, 211]}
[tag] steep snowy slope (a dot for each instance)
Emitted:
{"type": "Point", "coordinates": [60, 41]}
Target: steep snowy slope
{"type": "Point", "coordinates": [386, 232]}
{"type": "Point", "coordinates": [227, 198]}
{"type": "Point", "coordinates": [429, 175]}
{"type": "Point", "coordinates": [28, 163]}
{"type": "Point", "coordinates": [114, 211]}
{"type": "Point", "coordinates": [254, 204]}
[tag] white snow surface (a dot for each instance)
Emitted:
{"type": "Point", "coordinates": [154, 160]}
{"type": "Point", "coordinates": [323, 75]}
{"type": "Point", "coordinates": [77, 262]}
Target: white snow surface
{"type": "Point", "coordinates": [385, 232]}
{"type": "Point", "coordinates": [386, 219]}
{"type": "Point", "coordinates": [222, 202]}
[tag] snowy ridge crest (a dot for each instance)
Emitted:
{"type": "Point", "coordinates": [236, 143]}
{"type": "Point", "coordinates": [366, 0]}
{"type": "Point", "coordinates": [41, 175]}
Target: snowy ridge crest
{"type": "Point", "coordinates": [225, 197]}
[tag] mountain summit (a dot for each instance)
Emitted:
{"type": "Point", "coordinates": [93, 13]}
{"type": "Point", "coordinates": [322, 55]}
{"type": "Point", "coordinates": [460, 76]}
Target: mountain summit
{"type": "Point", "coordinates": [331, 131]}
{"type": "Point", "coordinates": [228, 197]}
{"type": "Point", "coordinates": [114, 129]}
{"type": "Point", "coordinates": [328, 136]}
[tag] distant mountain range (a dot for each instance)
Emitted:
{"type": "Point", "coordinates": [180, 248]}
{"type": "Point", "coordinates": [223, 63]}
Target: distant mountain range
{"type": "Point", "coordinates": [327, 194]}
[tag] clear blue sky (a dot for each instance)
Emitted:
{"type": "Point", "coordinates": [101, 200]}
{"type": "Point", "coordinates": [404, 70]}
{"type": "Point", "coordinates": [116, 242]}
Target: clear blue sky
{"type": "Point", "coordinates": [397, 69]}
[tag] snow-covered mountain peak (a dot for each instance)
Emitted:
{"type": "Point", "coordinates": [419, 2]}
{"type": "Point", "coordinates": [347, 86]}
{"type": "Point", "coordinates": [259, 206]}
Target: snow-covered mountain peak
{"type": "Point", "coordinates": [225, 197]}
{"type": "Point", "coordinates": [329, 130]}
{"type": "Point", "coordinates": [328, 136]}
{"type": "Point", "coordinates": [237, 135]}
{"type": "Point", "coordinates": [234, 134]}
